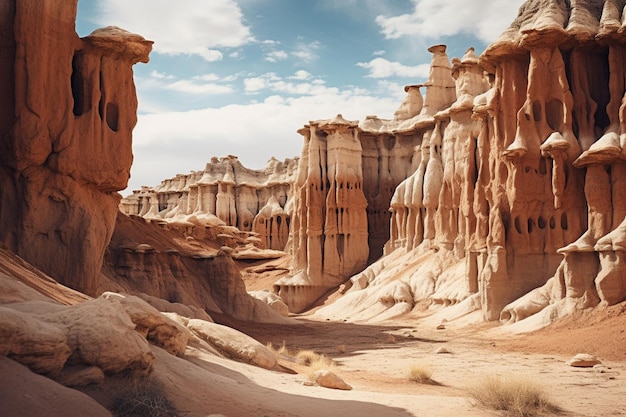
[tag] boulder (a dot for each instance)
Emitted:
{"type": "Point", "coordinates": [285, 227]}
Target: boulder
{"type": "Point", "coordinates": [233, 344]}
{"type": "Point", "coordinates": [151, 324]}
{"type": "Point", "coordinates": [584, 360]}
{"type": "Point", "coordinates": [328, 379]}
{"type": "Point", "coordinates": [41, 346]}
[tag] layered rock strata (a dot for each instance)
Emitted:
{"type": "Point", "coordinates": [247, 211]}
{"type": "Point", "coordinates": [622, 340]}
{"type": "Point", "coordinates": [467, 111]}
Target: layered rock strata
{"type": "Point", "coordinates": [65, 133]}
{"type": "Point", "coordinates": [224, 193]}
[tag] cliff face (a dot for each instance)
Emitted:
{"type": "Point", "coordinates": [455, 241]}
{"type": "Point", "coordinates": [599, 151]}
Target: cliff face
{"type": "Point", "coordinates": [65, 133]}
{"type": "Point", "coordinates": [351, 175]}
{"type": "Point", "coordinates": [518, 184]}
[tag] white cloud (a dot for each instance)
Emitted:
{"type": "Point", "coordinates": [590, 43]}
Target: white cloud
{"type": "Point", "coordinates": [380, 52]}
{"type": "Point", "coordinates": [382, 68]}
{"type": "Point", "coordinates": [301, 75]}
{"type": "Point", "coordinates": [307, 52]}
{"type": "Point", "coordinates": [275, 56]}
{"type": "Point", "coordinates": [486, 19]}
{"type": "Point", "coordinates": [207, 77]}
{"type": "Point", "coordinates": [194, 87]}
{"type": "Point", "coordinates": [177, 142]}
{"type": "Point", "coordinates": [183, 27]}
{"type": "Point", "coordinates": [161, 75]}
{"type": "Point", "coordinates": [255, 84]}
{"type": "Point", "coordinates": [272, 83]}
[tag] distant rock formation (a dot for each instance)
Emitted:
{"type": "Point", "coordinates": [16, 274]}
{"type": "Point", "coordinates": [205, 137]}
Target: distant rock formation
{"type": "Point", "coordinates": [225, 193]}
{"type": "Point", "coordinates": [65, 134]}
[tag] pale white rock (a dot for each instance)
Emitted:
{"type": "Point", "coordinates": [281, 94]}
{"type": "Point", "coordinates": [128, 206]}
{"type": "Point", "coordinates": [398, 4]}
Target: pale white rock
{"type": "Point", "coordinates": [328, 379]}
{"type": "Point", "coordinates": [584, 360]}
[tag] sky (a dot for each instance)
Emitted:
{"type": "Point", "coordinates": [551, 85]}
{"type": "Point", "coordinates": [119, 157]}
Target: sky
{"type": "Point", "coordinates": [240, 77]}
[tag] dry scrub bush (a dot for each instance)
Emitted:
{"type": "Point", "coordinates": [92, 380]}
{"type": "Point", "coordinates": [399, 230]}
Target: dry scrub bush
{"type": "Point", "coordinates": [312, 360]}
{"type": "Point", "coordinates": [143, 398]}
{"type": "Point", "coordinates": [519, 397]}
{"type": "Point", "coordinates": [421, 374]}
{"type": "Point", "coordinates": [282, 350]}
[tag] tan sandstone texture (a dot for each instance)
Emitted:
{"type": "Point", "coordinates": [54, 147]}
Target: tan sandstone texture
{"type": "Point", "coordinates": [507, 178]}
{"type": "Point", "coordinates": [65, 132]}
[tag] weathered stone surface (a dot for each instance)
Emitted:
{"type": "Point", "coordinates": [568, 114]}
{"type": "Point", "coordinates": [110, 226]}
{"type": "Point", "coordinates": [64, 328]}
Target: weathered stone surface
{"type": "Point", "coordinates": [584, 360]}
{"type": "Point", "coordinates": [328, 379]}
{"type": "Point", "coordinates": [66, 136]}
{"type": "Point", "coordinates": [180, 264]}
{"type": "Point", "coordinates": [41, 346]}
{"type": "Point", "coordinates": [103, 335]}
{"type": "Point", "coordinates": [273, 300]}
{"type": "Point", "coordinates": [518, 186]}
{"type": "Point", "coordinates": [233, 344]}
{"type": "Point", "coordinates": [151, 324]}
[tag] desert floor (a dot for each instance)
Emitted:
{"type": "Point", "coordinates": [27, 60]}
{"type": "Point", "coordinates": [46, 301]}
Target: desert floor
{"type": "Point", "coordinates": [374, 359]}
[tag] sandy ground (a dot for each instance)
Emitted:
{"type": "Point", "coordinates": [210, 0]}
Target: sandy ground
{"type": "Point", "coordinates": [374, 360]}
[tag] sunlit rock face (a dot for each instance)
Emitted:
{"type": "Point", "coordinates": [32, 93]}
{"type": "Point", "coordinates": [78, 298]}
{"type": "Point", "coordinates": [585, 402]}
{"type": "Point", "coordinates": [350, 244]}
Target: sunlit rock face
{"type": "Point", "coordinates": [225, 193]}
{"type": "Point", "coordinates": [517, 189]}
{"type": "Point", "coordinates": [571, 121]}
{"type": "Point", "coordinates": [345, 182]}
{"type": "Point", "coordinates": [68, 107]}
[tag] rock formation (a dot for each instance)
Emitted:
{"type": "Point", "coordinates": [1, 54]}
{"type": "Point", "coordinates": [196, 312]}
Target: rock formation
{"type": "Point", "coordinates": [518, 188]}
{"type": "Point", "coordinates": [346, 179]}
{"type": "Point", "coordinates": [225, 193]}
{"type": "Point", "coordinates": [65, 132]}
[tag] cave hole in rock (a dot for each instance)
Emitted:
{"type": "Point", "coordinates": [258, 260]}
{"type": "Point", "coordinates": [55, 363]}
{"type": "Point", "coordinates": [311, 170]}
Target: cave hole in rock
{"type": "Point", "coordinates": [598, 65]}
{"type": "Point", "coordinates": [80, 92]}
{"type": "Point", "coordinates": [531, 225]}
{"type": "Point", "coordinates": [518, 225]}
{"type": "Point", "coordinates": [541, 222]}
{"type": "Point", "coordinates": [552, 222]}
{"type": "Point", "coordinates": [537, 110]}
{"type": "Point", "coordinates": [543, 168]}
{"type": "Point", "coordinates": [554, 114]}
{"type": "Point", "coordinates": [564, 221]}
{"type": "Point", "coordinates": [112, 116]}
{"type": "Point", "coordinates": [101, 102]}
{"type": "Point", "coordinates": [389, 142]}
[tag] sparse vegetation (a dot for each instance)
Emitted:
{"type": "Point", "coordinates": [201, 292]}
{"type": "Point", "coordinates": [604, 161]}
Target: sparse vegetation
{"type": "Point", "coordinates": [420, 373]}
{"type": "Point", "coordinates": [519, 397]}
{"type": "Point", "coordinates": [143, 398]}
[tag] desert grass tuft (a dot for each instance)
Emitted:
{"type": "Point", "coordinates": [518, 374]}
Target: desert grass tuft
{"type": "Point", "coordinates": [518, 396]}
{"type": "Point", "coordinates": [421, 374]}
{"type": "Point", "coordinates": [314, 360]}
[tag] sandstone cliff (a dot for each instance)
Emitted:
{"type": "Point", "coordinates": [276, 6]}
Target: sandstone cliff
{"type": "Point", "coordinates": [520, 186]}
{"type": "Point", "coordinates": [65, 134]}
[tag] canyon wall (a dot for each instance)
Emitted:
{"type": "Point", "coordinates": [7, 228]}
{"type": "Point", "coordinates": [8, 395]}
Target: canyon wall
{"type": "Point", "coordinates": [517, 204]}
{"type": "Point", "coordinates": [65, 134]}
